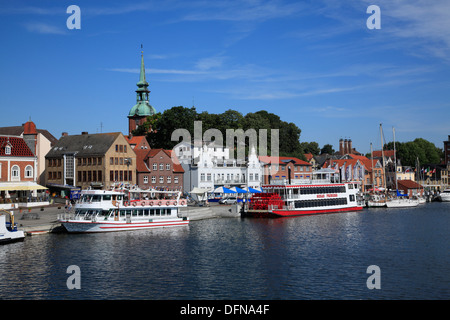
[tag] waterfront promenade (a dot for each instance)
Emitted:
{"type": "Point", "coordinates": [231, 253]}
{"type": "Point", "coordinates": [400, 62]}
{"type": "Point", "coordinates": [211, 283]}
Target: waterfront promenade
{"type": "Point", "coordinates": [45, 219]}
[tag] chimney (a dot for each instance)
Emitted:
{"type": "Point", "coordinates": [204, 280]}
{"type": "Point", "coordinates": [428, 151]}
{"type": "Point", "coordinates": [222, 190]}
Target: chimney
{"type": "Point", "coordinates": [64, 134]}
{"type": "Point", "coordinates": [345, 146]}
{"type": "Point", "coordinates": [84, 132]}
{"type": "Point", "coordinates": [350, 149]}
{"type": "Point", "coordinates": [341, 147]}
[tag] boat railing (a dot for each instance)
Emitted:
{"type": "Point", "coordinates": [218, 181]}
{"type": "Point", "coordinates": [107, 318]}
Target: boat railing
{"type": "Point", "coordinates": [66, 216]}
{"type": "Point", "coordinates": [301, 181]}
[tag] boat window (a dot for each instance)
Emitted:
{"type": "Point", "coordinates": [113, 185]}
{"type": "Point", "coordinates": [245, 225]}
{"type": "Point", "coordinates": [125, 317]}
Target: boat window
{"type": "Point", "coordinates": [145, 212]}
{"type": "Point", "coordinates": [350, 186]}
{"type": "Point", "coordinates": [119, 197]}
{"type": "Point", "coordinates": [152, 212]}
{"type": "Point", "coordinates": [107, 197]}
{"type": "Point", "coordinates": [352, 197]}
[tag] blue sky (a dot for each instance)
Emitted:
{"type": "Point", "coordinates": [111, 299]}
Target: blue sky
{"type": "Point", "coordinates": [314, 63]}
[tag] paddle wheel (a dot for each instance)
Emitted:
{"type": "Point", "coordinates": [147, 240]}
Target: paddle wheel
{"type": "Point", "coordinates": [260, 203]}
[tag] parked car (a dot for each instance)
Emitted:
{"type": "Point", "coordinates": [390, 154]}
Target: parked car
{"type": "Point", "coordinates": [230, 200]}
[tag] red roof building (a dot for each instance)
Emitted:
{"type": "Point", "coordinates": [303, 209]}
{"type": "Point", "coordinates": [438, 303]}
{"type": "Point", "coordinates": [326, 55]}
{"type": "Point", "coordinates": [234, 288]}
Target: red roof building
{"type": "Point", "coordinates": [17, 168]}
{"type": "Point", "coordinates": [278, 168]}
{"type": "Point", "coordinates": [158, 169]}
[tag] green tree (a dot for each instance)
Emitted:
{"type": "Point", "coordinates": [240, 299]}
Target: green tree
{"type": "Point", "coordinates": [328, 148]}
{"type": "Point", "coordinates": [409, 152]}
{"type": "Point", "coordinates": [170, 120]}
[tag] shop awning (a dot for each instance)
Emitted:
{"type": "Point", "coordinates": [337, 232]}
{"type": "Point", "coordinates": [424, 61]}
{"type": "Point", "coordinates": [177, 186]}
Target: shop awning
{"type": "Point", "coordinates": [21, 186]}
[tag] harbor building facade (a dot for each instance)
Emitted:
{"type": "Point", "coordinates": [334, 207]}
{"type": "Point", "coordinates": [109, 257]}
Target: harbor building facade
{"type": "Point", "coordinates": [101, 161]}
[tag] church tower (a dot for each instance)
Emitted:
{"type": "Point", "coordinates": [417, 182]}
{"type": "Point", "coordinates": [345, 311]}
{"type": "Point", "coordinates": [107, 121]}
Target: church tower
{"type": "Point", "coordinates": [142, 109]}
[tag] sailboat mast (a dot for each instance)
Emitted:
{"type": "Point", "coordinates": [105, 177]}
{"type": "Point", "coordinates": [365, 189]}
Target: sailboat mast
{"type": "Point", "coordinates": [382, 158]}
{"type": "Point", "coordinates": [371, 155]}
{"type": "Point", "coordinates": [395, 161]}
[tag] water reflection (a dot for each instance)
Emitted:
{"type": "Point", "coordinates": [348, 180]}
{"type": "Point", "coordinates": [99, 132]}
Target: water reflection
{"type": "Point", "coordinates": [311, 257]}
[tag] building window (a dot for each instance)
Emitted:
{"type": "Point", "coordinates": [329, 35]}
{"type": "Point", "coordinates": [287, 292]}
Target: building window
{"type": "Point", "coordinates": [111, 160]}
{"type": "Point", "coordinates": [155, 166]}
{"type": "Point", "coordinates": [7, 150]}
{"type": "Point", "coordinates": [161, 166]}
{"type": "Point", "coordinates": [167, 166]}
{"type": "Point", "coordinates": [28, 171]}
{"type": "Point", "coordinates": [153, 179]}
{"type": "Point", "coordinates": [169, 179]}
{"type": "Point", "coordinates": [145, 179]}
{"type": "Point", "coordinates": [175, 180]}
{"type": "Point", "coordinates": [161, 179]}
{"type": "Point", "coordinates": [15, 173]}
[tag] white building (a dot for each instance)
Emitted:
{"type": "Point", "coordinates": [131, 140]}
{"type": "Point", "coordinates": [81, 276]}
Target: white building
{"type": "Point", "coordinates": [209, 167]}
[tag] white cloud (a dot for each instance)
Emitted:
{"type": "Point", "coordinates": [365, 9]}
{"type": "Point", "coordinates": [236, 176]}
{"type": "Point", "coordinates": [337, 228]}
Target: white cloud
{"type": "Point", "coordinates": [44, 28]}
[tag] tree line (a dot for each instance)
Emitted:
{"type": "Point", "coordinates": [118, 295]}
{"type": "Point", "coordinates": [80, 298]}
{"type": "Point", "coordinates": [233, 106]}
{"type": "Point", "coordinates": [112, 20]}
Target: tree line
{"type": "Point", "coordinates": [158, 128]}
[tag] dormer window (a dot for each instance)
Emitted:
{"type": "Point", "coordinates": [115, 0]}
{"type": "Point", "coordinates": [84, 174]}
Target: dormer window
{"type": "Point", "coordinates": [7, 150]}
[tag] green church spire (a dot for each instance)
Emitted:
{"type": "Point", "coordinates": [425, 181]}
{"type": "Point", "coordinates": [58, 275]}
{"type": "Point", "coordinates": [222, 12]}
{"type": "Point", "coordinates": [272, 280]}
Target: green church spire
{"type": "Point", "coordinates": [142, 107]}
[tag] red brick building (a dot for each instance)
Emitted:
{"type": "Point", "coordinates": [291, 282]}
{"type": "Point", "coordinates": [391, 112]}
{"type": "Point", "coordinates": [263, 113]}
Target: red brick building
{"type": "Point", "coordinates": [157, 169]}
{"type": "Point", "coordinates": [278, 168]}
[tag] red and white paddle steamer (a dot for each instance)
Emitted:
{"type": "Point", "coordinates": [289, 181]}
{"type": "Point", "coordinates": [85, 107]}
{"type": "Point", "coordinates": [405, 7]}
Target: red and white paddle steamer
{"type": "Point", "coordinates": [105, 211]}
{"type": "Point", "coordinates": [321, 194]}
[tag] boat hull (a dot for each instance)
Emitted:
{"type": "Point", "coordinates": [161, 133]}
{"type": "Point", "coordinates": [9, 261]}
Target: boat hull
{"type": "Point", "coordinates": [296, 213]}
{"type": "Point", "coordinates": [12, 237]}
{"type": "Point", "coordinates": [76, 226]}
{"type": "Point", "coordinates": [402, 203]}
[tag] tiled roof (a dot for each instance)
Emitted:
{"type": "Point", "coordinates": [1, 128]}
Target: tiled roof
{"type": "Point", "coordinates": [408, 184]}
{"type": "Point", "coordinates": [19, 148]}
{"type": "Point", "coordinates": [177, 168]}
{"type": "Point", "coordinates": [282, 160]}
{"type": "Point", "coordinates": [85, 144]}
{"type": "Point", "coordinates": [387, 153]}
{"type": "Point", "coordinates": [18, 130]}
{"type": "Point", "coordinates": [141, 155]}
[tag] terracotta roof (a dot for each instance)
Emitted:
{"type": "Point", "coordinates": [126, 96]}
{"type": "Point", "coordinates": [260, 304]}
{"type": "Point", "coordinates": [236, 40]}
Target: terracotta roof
{"type": "Point", "coordinates": [355, 156]}
{"type": "Point", "coordinates": [135, 139]}
{"type": "Point", "coordinates": [408, 184]}
{"type": "Point", "coordinates": [177, 168]}
{"type": "Point", "coordinates": [282, 160]}
{"type": "Point", "coordinates": [309, 156]}
{"type": "Point", "coordinates": [19, 148]}
{"type": "Point", "coordinates": [387, 153]}
{"type": "Point", "coordinates": [29, 128]}
{"type": "Point", "coordinates": [141, 155]}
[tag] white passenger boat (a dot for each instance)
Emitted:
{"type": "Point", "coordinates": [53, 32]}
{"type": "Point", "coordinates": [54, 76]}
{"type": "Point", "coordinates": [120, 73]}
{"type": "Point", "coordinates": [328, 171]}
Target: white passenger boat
{"type": "Point", "coordinates": [8, 230]}
{"type": "Point", "coordinates": [307, 197]}
{"type": "Point", "coordinates": [105, 211]}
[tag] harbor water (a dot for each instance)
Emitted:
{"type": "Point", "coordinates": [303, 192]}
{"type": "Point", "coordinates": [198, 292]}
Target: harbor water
{"type": "Point", "coordinates": [310, 257]}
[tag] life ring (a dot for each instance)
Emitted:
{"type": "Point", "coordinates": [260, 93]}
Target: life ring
{"type": "Point", "coordinates": [134, 204]}
{"type": "Point", "coordinates": [175, 203]}
{"type": "Point", "coordinates": [151, 203]}
{"type": "Point", "coordinates": [182, 202]}
{"type": "Point", "coordinates": [159, 203]}
{"type": "Point", "coordinates": [168, 203]}
{"type": "Point", "coordinates": [143, 203]}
